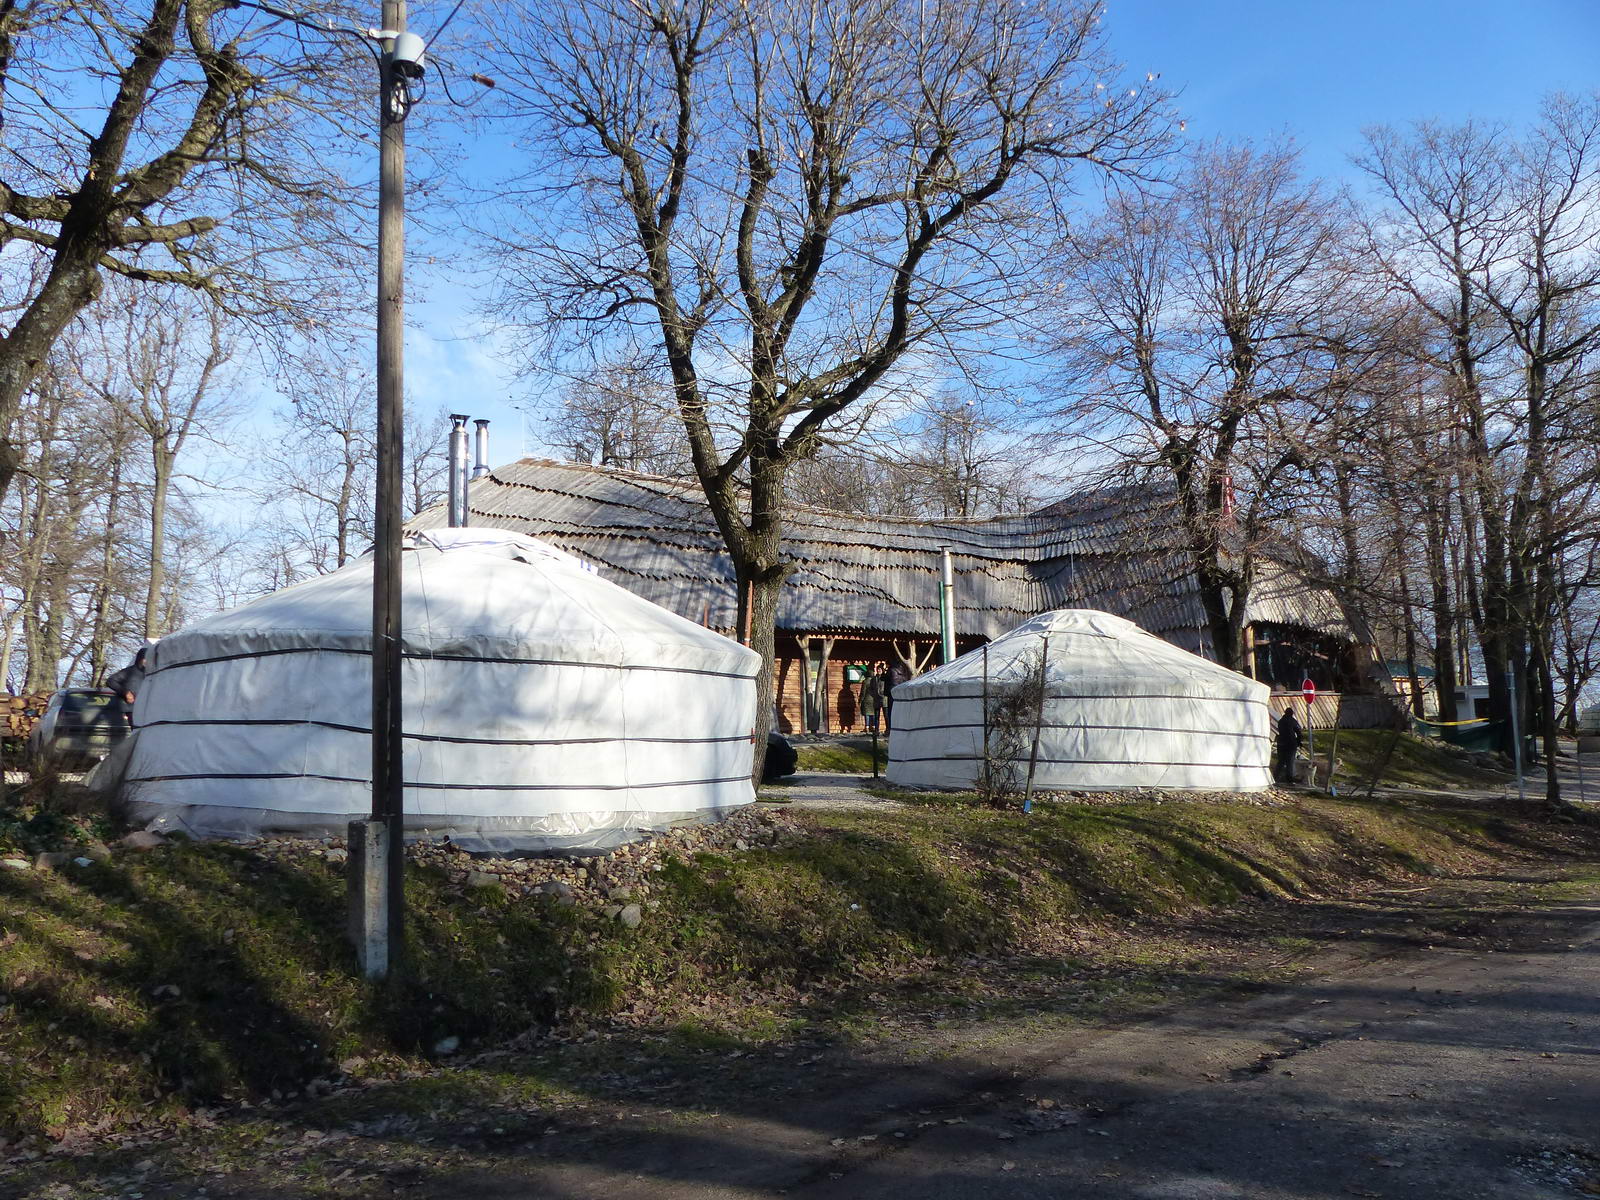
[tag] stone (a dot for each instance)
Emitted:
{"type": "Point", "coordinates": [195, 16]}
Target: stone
{"type": "Point", "coordinates": [481, 879]}
{"type": "Point", "coordinates": [447, 1045]}
{"type": "Point", "coordinates": [142, 840]}
{"type": "Point", "coordinates": [336, 855]}
{"type": "Point", "coordinates": [612, 911]}
{"type": "Point", "coordinates": [52, 860]}
{"type": "Point", "coordinates": [97, 851]}
{"type": "Point", "coordinates": [558, 891]}
{"type": "Point", "coordinates": [740, 844]}
{"type": "Point", "coordinates": [620, 893]}
{"type": "Point", "coordinates": [631, 916]}
{"type": "Point", "coordinates": [16, 864]}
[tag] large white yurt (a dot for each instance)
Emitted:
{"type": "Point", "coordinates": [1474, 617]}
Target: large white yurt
{"type": "Point", "coordinates": [1122, 709]}
{"type": "Point", "coordinates": [544, 708]}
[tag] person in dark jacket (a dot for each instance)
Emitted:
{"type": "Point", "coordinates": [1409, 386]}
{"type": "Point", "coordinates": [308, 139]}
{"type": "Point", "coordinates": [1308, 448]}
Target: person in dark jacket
{"type": "Point", "coordinates": [889, 677]}
{"type": "Point", "coordinates": [872, 697]}
{"type": "Point", "coordinates": [127, 683]}
{"type": "Point", "coordinates": [1290, 735]}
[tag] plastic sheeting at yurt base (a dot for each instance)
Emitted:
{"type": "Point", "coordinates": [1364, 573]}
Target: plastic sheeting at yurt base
{"type": "Point", "coordinates": [1123, 709]}
{"type": "Point", "coordinates": [545, 708]}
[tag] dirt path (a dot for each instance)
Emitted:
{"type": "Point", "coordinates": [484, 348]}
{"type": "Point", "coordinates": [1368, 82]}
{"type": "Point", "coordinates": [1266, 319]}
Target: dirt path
{"type": "Point", "coordinates": [1446, 1073]}
{"type": "Point", "coordinates": [827, 790]}
{"type": "Point", "coordinates": [1438, 1041]}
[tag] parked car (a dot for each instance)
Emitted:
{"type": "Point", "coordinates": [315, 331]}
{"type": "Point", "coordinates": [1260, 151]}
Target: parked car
{"type": "Point", "coordinates": [79, 727]}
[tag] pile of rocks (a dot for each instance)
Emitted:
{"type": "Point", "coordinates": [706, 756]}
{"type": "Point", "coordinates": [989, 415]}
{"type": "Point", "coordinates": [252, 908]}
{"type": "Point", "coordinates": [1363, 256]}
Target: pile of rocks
{"type": "Point", "coordinates": [1269, 798]}
{"type": "Point", "coordinates": [619, 882]}
{"type": "Point", "coordinates": [85, 854]}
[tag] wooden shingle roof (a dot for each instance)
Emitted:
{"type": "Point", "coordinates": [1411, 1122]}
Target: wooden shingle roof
{"type": "Point", "coordinates": [859, 572]}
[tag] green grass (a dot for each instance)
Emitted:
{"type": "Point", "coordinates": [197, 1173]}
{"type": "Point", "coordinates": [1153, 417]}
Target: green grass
{"type": "Point", "coordinates": [202, 974]}
{"type": "Point", "coordinates": [1417, 762]}
{"type": "Point", "coordinates": [848, 754]}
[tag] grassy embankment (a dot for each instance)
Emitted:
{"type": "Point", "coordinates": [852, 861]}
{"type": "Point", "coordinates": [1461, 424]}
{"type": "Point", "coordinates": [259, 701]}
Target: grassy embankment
{"type": "Point", "coordinates": [1415, 763]}
{"type": "Point", "coordinates": [139, 988]}
{"type": "Point", "coordinates": [849, 754]}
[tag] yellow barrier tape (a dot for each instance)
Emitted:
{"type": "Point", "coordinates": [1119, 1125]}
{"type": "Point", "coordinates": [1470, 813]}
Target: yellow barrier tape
{"type": "Point", "coordinates": [1442, 724]}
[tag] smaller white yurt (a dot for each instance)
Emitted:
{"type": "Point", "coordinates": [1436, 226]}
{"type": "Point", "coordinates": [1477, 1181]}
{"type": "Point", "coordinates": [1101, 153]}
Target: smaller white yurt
{"type": "Point", "coordinates": [1122, 709]}
{"type": "Point", "coordinates": [544, 708]}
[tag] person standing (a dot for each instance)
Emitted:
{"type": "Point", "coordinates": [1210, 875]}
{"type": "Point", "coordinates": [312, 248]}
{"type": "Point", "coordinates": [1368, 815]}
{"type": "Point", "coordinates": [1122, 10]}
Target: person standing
{"type": "Point", "coordinates": [872, 698]}
{"type": "Point", "coordinates": [890, 677]}
{"type": "Point", "coordinates": [1290, 735]}
{"type": "Point", "coordinates": [127, 683]}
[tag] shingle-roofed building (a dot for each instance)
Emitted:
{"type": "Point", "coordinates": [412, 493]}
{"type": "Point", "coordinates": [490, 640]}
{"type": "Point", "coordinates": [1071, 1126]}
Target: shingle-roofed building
{"type": "Point", "coordinates": [865, 589]}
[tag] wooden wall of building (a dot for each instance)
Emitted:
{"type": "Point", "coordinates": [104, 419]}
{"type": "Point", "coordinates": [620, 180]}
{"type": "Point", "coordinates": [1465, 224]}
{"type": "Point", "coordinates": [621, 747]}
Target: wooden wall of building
{"type": "Point", "coordinates": [842, 710]}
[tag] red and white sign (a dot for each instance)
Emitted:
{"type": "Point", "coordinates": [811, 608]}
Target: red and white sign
{"type": "Point", "coordinates": [1308, 690]}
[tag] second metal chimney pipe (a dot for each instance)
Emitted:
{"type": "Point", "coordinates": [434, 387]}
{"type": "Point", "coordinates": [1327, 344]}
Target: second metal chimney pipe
{"type": "Point", "coordinates": [458, 461]}
{"type": "Point", "coordinates": [481, 467]}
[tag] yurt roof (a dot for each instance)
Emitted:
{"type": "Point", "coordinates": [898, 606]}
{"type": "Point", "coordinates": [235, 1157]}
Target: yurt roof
{"type": "Point", "coordinates": [1089, 653]}
{"type": "Point", "coordinates": [467, 593]}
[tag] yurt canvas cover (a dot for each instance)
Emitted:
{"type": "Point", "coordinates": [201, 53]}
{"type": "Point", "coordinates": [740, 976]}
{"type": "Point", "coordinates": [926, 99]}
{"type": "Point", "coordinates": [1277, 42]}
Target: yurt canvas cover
{"type": "Point", "coordinates": [544, 708]}
{"type": "Point", "coordinates": [1122, 709]}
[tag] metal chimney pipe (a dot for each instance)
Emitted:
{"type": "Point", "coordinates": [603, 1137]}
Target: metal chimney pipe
{"type": "Point", "coordinates": [458, 462]}
{"type": "Point", "coordinates": [481, 467]}
{"type": "Point", "coordinates": [464, 475]}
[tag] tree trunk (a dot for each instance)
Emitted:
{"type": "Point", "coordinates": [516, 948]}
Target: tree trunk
{"type": "Point", "coordinates": [759, 591]}
{"type": "Point", "coordinates": [1444, 617]}
{"type": "Point", "coordinates": [1408, 618]}
{"type": "Point", "coordinates": [1220, 620]}
{"type": "Point", "coordinates": [161, 462]}
{"type": "Point", "coordinates": [71, 286]}
{"type": "Point", "coordinates": [99, 638]}
{"type": "Point", "coordinates": [8, 634]}
{"type": "Point", "coordinates": [819, 697]}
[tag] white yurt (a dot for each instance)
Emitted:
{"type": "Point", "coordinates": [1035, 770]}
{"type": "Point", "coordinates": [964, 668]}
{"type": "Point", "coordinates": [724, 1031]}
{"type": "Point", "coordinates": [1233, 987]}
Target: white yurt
{"type": "Point", "coordinates": [1122, 709]}
{"type": "Point", "coordinates": [544, 708]}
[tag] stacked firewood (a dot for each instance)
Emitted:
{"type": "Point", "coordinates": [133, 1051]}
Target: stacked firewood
{"type": "Point", "coordinates": [22, 713]}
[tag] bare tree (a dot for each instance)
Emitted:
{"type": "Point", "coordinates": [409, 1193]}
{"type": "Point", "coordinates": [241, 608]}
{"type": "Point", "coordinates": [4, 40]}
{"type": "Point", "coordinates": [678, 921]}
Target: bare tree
{"type": "Point", "coordinates": [949, 458]}
{"type": "Point", "coordinates": [790, 198]}
{"type": "Point", "coordinates": [161, 367]}
{"type": "Point", "coordinates": [318, 462]}
{"type": "Point", "coordinates": [64, 562]}
{"type": "Point", "coordinates": [316, 473]}
{"type": "Point", "coordinates": [427, 462]}
{"type": "Point", "coordinates": [188, 144]}
{"type": "Point", "coordinates": [1204, 345]}
{"type": "Point", "coordinates": [1497, 241]}
{"type": "Point", "coordinates": [622, 415]}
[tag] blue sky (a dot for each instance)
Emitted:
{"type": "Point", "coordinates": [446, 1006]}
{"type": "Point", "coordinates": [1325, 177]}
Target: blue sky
{"type": "Point", "coordinates": [1319, 73]}
{"type": "Point", "coordinates": [1323, 71]}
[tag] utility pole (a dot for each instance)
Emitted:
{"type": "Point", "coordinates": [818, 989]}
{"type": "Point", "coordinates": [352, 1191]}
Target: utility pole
{"type": "Point", "coordinates": [377, 847]}
{"type": "Point", "coordinates": [388, 782]}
